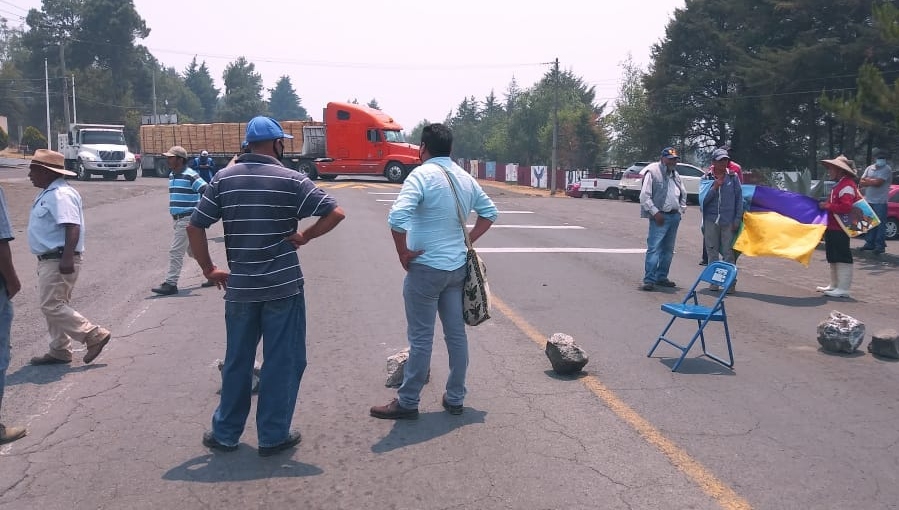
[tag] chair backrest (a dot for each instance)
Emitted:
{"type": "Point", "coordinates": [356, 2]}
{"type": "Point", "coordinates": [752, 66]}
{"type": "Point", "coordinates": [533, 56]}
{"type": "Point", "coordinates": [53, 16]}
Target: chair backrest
{"type": "Point", "coordinates": [719, 273]}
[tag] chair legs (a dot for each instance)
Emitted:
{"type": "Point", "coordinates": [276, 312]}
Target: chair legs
{"type": "Point", "coordinates": [684, 349]}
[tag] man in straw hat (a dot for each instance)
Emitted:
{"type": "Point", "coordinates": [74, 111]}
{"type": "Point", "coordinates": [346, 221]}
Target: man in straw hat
{"type": "Point", "coordinates": [56, 237]}
{"type": "Point", "coordinates": [836, 241]}
{"type": "Point", "coordinates": [9, 287]}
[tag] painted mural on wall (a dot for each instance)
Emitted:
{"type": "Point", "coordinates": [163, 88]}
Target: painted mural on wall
{"type": "Point", "coordinates": [538, 176]}
{"type": "Point", "coordinates": [512, 172]}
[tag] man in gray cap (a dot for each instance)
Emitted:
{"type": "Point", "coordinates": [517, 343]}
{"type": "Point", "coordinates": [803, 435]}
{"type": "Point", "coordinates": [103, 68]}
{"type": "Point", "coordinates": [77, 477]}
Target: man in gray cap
{"type": "Point", "coordinates": [264, 284]}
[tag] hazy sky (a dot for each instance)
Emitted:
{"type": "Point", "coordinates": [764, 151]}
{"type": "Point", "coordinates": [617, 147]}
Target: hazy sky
{"type": "Point", "coordinates": [418, 59]}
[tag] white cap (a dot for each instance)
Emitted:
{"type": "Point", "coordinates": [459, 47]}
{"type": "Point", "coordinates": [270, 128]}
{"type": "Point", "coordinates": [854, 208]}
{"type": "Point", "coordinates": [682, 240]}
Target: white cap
{"type": "Point", "coordinates": [204, 153]}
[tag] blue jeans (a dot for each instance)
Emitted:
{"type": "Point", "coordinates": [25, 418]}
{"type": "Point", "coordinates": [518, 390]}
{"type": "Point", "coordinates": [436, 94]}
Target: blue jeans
{"type": "Point", "coordinates": [6, 314]}
{"type": "Point", "coordinates": [428, 292]}
{"type": "Point", "coordinates": [876, 238]}
{"type": "Point", "coordinates": [660, 248]}
{"type": "Point", "coordinates": [282, 326]}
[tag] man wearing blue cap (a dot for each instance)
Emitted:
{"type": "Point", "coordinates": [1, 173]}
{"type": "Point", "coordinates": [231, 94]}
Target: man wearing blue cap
{"type": "Point", "coordinates": [663, 199]}
{"type": "Point", "coordinates": [258, 200]}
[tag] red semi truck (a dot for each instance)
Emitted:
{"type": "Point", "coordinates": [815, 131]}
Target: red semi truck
{"type": "Point", "coordinates": [356, 140]}
{"type": "Point", "coordinates": [353, 140]}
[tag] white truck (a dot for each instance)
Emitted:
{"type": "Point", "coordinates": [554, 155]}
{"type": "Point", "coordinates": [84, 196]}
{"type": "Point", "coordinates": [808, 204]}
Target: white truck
{"type": "Point", "coordinates": [98, 149]}
{"type": "Point", "coordinates": [604, 185]}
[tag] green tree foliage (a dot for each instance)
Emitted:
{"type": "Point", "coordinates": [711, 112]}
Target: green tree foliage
{"type": "Point", "coordinates": [875, 106]}
{"type": "Point", "coordinates": [630, 121]}
{"type": "Point", "coordinates": [199, 81]}
{"type": "Point", "coordinates": [33, 138]}
{"type": "Point", "coordinates": [4, 139]}
{"type": "Point", "coordinates": [243, 92]}
{"type": "Point", "coordinates": [284, 103]}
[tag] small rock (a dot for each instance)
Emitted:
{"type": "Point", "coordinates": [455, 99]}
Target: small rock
{"type": "Point", "coordinates": [257, 367]}
{"type": "Point", "coordinates": [395, 369]}
{"type": "Point", "coordinates": [841, 333]}
{"type": "Point", "coordinates": [565, 355]}
{"type": "Point", "coordinates": [885, 343]}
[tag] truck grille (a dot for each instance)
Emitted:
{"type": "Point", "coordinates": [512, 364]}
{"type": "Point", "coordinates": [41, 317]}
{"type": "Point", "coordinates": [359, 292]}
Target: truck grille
{"type": "Point", "coordinates": [112, 155]}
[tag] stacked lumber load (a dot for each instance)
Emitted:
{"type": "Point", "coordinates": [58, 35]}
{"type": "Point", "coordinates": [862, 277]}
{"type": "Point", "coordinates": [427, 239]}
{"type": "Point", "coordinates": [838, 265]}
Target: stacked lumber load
{"type": "Point", "coordinates": [217, 138]}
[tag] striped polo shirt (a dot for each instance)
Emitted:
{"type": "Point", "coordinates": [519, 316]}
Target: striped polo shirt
{"type": "Point", "coordinates": [260, 203]}
{"type": "Point", "coordinates": [185, 190]}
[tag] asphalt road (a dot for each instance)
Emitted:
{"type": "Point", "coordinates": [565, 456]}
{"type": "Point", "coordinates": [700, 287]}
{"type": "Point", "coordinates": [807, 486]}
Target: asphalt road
{"type": "Point", "coordinates": [789, 427]}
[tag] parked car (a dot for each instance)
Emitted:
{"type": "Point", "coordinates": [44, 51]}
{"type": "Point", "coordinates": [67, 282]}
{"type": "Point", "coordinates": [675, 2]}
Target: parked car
{"type": "Point", "coordinates": [632, 181]}
{"type": "Point", "coordinates": [891, 224]}
{"type": "Point", "coordinates": [574, 190]}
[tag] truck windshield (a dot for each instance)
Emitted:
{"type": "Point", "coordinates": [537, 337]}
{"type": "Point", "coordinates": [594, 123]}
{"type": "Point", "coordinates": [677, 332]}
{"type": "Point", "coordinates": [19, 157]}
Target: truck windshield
{"type": "Point", "coordinates": [102, 137]}
{"type": "Point", "coordinates": [394, 136]}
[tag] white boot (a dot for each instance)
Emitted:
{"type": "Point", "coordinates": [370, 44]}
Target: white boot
{"type": "Point", "coordinates": [844, 280]}
{"type": "Point", "coordinates": [833, 279]}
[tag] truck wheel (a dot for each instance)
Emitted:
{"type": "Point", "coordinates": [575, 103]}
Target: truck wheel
{"type": "Point", "coordinates": [395, 172]}
{"type": "Point", "coordinates": [161, 169]}
{"type": "Point", "coordinates": [130, 175]}
{"type": "Point", "coordinates": [81, 173]}
{"type": "Point", "coordinates": [612, 194]}
{"type": "Point", "coordinates": [308, 168]}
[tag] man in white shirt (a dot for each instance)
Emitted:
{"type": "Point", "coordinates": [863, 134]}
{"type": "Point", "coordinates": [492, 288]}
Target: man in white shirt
{"type": "Point", "coordinates": [663, 199]}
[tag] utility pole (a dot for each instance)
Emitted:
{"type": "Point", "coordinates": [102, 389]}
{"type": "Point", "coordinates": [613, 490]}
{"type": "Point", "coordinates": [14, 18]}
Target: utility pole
{"type": "Point", "coordinates": [554, 162]}
{"type": "Point", "coordinates": [155, 119]}
{"type": "Point", "coordinates": [47, 91]}
{"type": "Point", "coordinates": [65, 92]}
{"type": "Point", "coordinates": [74, 109]}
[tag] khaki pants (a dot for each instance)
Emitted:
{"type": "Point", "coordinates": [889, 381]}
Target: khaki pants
{"type": "Point", "coordinates": [180, 246]}
{"type": "Point", "coordinates": [64, 323]}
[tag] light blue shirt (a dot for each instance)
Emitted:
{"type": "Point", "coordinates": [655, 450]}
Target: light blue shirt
{"type": "Point", "coordinates": [53, 207]}
{"type": "Point", "coordinates": [426, 210]}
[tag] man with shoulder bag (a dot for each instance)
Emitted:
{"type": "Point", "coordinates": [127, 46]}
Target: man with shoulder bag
{"type": "Point", "coordinates": [431, 245]}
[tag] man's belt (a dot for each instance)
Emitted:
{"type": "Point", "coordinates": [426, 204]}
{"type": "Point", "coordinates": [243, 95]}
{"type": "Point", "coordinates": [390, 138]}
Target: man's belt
{"type": "Point", "coordinates": [56, 254]}
{"type": "Point", "coordinates": [181, 215]}
{"type": "Point", "coordinates": [671, 212]}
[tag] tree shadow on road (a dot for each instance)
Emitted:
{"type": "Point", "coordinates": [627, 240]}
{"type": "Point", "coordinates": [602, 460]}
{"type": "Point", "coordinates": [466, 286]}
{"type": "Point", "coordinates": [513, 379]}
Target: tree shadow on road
{"type": "Point", "coordinates": [240, 466]}
{"type": "Point", "coordinates": [428, 426]}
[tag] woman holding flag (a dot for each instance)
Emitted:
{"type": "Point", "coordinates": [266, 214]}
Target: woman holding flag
{"type": "Point", "coordinates": [836, 241]}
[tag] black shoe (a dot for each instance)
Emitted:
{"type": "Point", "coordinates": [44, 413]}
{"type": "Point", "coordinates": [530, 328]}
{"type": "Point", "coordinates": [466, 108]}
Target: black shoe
{"type": "Point", "coordinates": [451, 408]}
{"type": "Point", "coordinates": [208, 283]}
{"type": "Point", "coordinates": [394, 411]}
{"type": "Point", "coordinates": [648, 287]}
{"type": "Point", "coordinates": [666, 283]}
{"type": "Point", "coordinates": [703, 262]}
{"type": "Point", "coordinates": [209, 441]}
{"type": "Point", "coordinates": [292, 440]}
{"type": "Point", "coordinates": [866, 248]}
{"type": "Point", "coordinates": [166, 289]}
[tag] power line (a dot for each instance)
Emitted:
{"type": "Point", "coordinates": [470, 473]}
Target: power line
{"type": "Point", "coordinates": [13, 5]}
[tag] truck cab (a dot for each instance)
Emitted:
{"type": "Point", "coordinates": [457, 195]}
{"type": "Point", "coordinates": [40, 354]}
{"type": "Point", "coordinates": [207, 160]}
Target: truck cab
{"type": "Point", "coordinates": [357, 140]}
{"type": "Point", "coordinates": [98, 149]}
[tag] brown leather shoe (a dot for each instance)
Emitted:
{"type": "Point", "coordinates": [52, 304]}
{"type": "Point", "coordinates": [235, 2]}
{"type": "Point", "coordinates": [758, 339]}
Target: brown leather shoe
{"type": "Point", "coordinates": [47, 359]}
{"type": "Point", "coordinates": [94, 350]}
{"type": "Point", "coordinates": [394, 411]}
{"type": "Point", "coordinates": [10, 434]}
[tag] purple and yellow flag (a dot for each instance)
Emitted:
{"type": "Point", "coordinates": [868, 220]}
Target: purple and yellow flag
{"type": "Point", "coordinates": [780, 224]}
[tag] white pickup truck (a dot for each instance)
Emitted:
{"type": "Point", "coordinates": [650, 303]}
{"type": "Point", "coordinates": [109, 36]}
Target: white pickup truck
{"type": "Point", "coordinates": [604, 185]}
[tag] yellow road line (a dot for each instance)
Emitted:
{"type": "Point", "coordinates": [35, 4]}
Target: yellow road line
{"type": "Point", "coordinates": [699, 474]}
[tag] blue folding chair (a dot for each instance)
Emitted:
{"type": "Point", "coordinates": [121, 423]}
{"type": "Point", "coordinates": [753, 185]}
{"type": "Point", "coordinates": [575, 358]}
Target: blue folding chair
{"type": "Point", "coordinates": [723, 275]}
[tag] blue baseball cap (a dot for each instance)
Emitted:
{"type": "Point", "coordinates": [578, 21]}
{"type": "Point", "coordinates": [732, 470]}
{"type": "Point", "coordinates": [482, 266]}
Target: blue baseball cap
{"type": "Point", "coordinates": [670, 153]}
{"type": "Point", "coordinates": [263, 128]}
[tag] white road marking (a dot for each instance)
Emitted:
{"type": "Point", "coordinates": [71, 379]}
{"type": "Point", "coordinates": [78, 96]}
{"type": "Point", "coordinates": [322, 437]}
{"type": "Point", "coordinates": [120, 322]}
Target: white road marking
{"type": "Point", "coordinates": [561, 250]}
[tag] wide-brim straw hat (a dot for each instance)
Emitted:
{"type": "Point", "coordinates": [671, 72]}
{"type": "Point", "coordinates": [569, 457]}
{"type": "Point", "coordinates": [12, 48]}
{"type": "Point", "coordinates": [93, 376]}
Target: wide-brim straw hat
{"type": "Point", "coordinates": [51, 160]}
{"type": "Point", "coordinates": [842, 163]}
